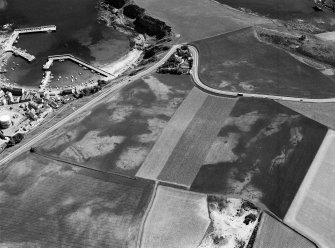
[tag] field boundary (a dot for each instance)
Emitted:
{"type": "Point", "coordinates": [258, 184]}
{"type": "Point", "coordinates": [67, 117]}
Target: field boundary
{"type": "Point", "coordinates": [164, 146]}
{"type": "Point", "coordinates": [295, 206]}
{"type": "Point", "coordinates": [145, 216]}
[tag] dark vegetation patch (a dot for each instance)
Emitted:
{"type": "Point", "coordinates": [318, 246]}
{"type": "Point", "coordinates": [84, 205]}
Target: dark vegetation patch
{"type": "Point", "coordinates": [274, 150]}
{"type": "Point", "coordinates": [143, 24]}
{"type": "Point", "coordinates": [151, 26]}
{"type": "Point", "coordinates": [117, 3]}
{"type": "Point", "coordinates": [133, 11]}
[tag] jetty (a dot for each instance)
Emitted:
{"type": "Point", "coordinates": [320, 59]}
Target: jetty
{"type": "Point", "coordinates": [23, 54]}
{"type": "Point", "coordinates": [49, 28]}
{"type": "Point", "coordinates": [45, 80]}
{"type": "Point", "coordinates": [63, 57]}
{"type": "Point", "coordinates": [8, 46]}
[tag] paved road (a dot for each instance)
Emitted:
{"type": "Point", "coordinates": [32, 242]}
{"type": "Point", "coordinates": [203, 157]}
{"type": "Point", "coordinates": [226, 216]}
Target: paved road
{"type": "Point", "coordinates": [114, 88]}
{"type": "Point", "coordinates": [201, 85]}
{"type": "Point", "coordinates": [129, 80]}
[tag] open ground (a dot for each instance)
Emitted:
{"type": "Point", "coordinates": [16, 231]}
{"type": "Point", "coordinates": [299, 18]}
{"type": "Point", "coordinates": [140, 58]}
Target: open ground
{"type": "Point", "coordinates": [312, 211]}
{"type": "Point", "coordinates": [44, 203]}
{"type": "Point", "coordinates": [118, 132]}
{"type": "Point", "coordinates": [274, 234]}
{"type": "Point", "coordinates": [239, 62]}
{"type": "Point", "coordinates": [320, 112]}
{"type": "Point", "coordinates": [177, 219]}
{"type": "Point", "coordinates": [261, 153]}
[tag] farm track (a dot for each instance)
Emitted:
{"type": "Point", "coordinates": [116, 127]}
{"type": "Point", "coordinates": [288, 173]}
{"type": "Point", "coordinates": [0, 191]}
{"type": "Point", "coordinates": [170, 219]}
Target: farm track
{"type": "Point", "coordinates": [80, 165]}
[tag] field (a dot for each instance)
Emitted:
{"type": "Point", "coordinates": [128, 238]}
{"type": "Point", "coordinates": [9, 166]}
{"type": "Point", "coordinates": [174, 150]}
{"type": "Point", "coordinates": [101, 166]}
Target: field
{"type": "Point", "coordinates": [160, 153]}
{"type": "Point", "coordinates": [239, 62]}
{"type": "Point", "coordinates": [48, 204]}
{"type": "Point", "coordinates": [195, 20]}
{"type": "Point", "coordinates": [118, 133]}
{"type": "Point", "coordinates": [312, 211]}
{"type": "Point", "coordinates": [187, 156]}
{"type": "Point", "coordinates": [261, 153]}
{"type": "Point", "coordinates": [176, 219]}
{"type": "Point", "coordinates": [320, 112]}
{"type": "Point", "coordinates": [272, 233]}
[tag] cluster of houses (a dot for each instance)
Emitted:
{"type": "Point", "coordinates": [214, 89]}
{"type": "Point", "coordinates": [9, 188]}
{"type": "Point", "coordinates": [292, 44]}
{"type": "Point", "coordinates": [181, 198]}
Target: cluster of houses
{"type": "Point", "coordinates": [34, 106]}
{"type": "Point", "coordinates": [179, 63]}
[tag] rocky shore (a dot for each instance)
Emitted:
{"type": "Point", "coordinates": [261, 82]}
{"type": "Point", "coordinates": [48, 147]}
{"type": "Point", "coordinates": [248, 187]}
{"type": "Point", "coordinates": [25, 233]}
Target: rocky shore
{"type": "Point", "coordinates": [147, 35]}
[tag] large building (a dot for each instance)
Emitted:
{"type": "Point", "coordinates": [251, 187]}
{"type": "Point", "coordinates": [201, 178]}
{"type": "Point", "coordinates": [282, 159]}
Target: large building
{"type": "Point", "coordinates": [5, 121]}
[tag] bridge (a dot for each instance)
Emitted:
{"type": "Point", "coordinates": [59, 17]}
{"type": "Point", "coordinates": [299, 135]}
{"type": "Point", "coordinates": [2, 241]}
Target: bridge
{"type": "Point", "coordinates": [23, 54]}
{"type": "Point", "coordinates": [51, 59]}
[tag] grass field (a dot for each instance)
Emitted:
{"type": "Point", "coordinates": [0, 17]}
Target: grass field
{"type": "Point", "coordinates": [272, 233]}
{"type": "Point", "coordinates": [261, 153]}
{"type": "Point", "coordinates": [312, 211]}
{"type": "Point", "coordinates": [188, 155]}
{"type": "Point", "coordinates": [118, 133]}
{"type": "Point", "coordinates": [48, 204]}
{"type": "Point", "coordinates": [176, 219]}
{"type": "Point", "coordinates": [199, 19]}
{"type": "Point", "coordinates": [160, 153]}
{"type": "Point", "coordinates": [320, 112]}
{"type": "Point", "coordinates": [238, 62]}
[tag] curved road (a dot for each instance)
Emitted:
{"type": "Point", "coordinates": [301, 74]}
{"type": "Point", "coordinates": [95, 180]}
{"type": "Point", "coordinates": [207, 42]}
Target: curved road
{"type": "Point", "coordinates": [121, 84]}
{"type": "Point", "coordinates": [205, 87]}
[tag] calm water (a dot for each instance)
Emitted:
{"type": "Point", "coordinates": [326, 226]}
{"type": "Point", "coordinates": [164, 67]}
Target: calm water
{"type": "Point", "coordinates": [78, 32]}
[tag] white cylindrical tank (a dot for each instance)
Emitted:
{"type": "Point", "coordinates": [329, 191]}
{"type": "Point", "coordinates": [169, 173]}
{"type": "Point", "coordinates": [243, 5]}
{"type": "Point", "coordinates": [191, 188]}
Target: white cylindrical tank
{"type": "Point", "coordinates": [5, 121]}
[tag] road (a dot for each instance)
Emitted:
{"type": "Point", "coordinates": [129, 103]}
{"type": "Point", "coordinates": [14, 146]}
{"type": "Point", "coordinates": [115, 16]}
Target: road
{"type": "Point", "coordinates": [114, 88]}
{"type": "Point", "coordinates": [129, 80]}
{"type": "Point", "coordinates": [206, 88]}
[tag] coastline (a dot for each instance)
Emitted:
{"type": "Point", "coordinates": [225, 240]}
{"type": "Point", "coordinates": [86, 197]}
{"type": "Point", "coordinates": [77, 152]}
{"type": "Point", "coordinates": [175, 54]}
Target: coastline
{"type": "Point", "coordinates": [118, 67]}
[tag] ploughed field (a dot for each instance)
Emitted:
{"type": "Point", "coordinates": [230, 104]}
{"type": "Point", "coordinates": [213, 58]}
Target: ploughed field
{"type": "Point", "coordinates": [274, 234]}
{"type": "Point", "coordinates": [255, 149]}
{"type": "Point", "coordinates": [312, 211]}
{"type": "Point", "coordinates": [44, 203]}
{"type": "Point", "coordinates": [239, 62]}
{"type": "Point", "coordinates": [262, 153]}
{"type": "Point", "coordinates": [118, 133]}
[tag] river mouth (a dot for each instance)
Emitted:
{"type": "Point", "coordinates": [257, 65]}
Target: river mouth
{"type": "Point", "coordinates": [78, 33]}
